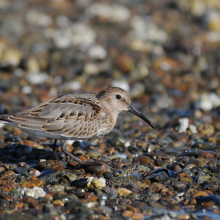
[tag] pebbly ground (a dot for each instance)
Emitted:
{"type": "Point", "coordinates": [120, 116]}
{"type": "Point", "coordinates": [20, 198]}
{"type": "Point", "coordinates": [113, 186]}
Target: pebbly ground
{"type": "Point", "coordinates": [166, 55]}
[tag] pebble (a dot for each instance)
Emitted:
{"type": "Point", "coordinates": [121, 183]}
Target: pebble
{"type": "Point", "coordinates": [123, 191]}
{"type": "Point", "coordinates": [98, 183]}
{"type": "Point", "coordinates": [82, 46]}
{"type": "Point", "coordinates": [97, 52]}
{"type": "Point", "coordinates": [35, 192]}
{"type": "Point", "coordinates": [34, 182]}
{"type": "Point", "coordinates": [113, 13]}
{"type": "Point", "coordinates": [93, 154]}
{"type": "Point", "coordinates": [183, 216]}
{"type": "Point", "coordinates": [143, 160]}
{"type": "Point", "coordinates": [197, 162]}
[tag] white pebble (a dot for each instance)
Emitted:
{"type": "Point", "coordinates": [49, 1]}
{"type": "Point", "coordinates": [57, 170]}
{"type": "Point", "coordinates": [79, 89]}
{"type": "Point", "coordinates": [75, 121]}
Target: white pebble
{"type": "Point", "coordinates": [97, 52]}
{"type": "Point", "coordinates": [26, 89]}
{"type": "Point", "coordinates": [184, 124]}
{"type": "Point", "coordinates": [35, 192]}
{"type": "Point", "coordinates": [73, 85]}
{"type": "Point", "coordinates": [37, 78]}
{"type": "Point", "coordinates": [99, 183]}
{"type": "Point", "coordinates": [122, 84]}
{"type": "Point", "coordinates": [91, 69]}
{"type": "Point", "coordinates": [114, 13]}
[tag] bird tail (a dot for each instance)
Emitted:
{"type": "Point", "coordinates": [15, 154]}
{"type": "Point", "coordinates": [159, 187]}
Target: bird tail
{"type": "Point", "coordinates": [4, 119]}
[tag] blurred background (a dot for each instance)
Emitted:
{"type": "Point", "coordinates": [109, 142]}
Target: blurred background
{"type": "Point", "coordinates": [164, 53]}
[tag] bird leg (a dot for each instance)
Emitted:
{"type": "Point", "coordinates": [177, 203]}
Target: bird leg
{"type": "Point", "coordinates": [63, 147]}
{"type": "Point", "coordinates": [92, 166]}
{"type": "Point", "coordinates": [56, 156]}
{"type": "Point", "coordinates": [55, 149]}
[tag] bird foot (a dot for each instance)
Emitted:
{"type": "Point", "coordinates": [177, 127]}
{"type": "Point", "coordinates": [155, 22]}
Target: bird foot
{"type": "Point", "coordinates": [95, 166]}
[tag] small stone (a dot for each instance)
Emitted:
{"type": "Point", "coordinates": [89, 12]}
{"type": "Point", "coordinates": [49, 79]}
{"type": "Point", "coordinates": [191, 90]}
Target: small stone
{"type": "Point", "coordinates": [97, 52]}
{"type": "Point", "coordinates": [183, 125]}
{"type": "Point", "coordinates": [49, 164]}
{"type": "Point", "coordinates": [183, 216]}
{"type": "Point", "coordinates": [155, 197]}
{"type": "Point", "coordinates": [150, 148]}
{"type": "Point", "coordinates": [7, 198]}
{"type": "Point", "coordinates": [33, 182]}
{"type": "Point", "coordinates": [94, 154]}
{"type": "Point", "coordinates": [58, 203]}
{"type": "Point", "coordinates": [206, 129]}
{"type": "Point", "coordinates": [123, 191]}
{"type": "Point", "coordinates": [35, 192]}
{"type": "Point", "coordinates": [200, 193]}
{"type": "Point", "coordinates": [37, 78]}
{"type": "Point", "coordinates": [189, 166]}
{"type": "Point", "coordinates": [19, 205]}
{"type": "Point", "coordinates": [8, 174]}
{"type": "Point", "coordinates": [50, 209]}
{"type": "Point", "coordinates": [98, 167]}
{"type": "Point", "coordinates": [179, 185]}
{"type": "Point", "coordinates": [127, 213]}
{"type": "Point", "coordinates": [99, 183]}
{"type": "Point", "coordinates": [198, 162]}
{"type": "Point", "coordinates": [30, 143]}
{"type": "Point", "coordinates": [20, 170]}
{"type": "Point", "coordinates": [143, 160]}
{"type": "Point", "coordinates": [82, 158]}
{"type": "Point", "coordinates": [56, 188]}
{"type": "Point", "coordinates": [49, 197]}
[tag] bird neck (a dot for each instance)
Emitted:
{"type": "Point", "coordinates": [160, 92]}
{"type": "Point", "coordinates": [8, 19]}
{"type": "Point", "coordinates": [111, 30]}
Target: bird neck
{"type": "Point", "coordinates": [113, 112]}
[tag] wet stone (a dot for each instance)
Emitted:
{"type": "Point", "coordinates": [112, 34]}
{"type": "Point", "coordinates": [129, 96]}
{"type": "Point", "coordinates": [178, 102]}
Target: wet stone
{"type": "Point", "coordinates": [123, 191]}
{"type": "Point", "coordinates": [179, 185]}
{"type": "Point", "coordinates": [143, 160]}
{"type": "Point", "coordinates": [158, 177]}
{"type": "Point", "coordinates": [20, 170]}
{"type": "Point", "coordinates": [120, 142]}
{"type": "Point", "coordinates": [197, 162]}
{"type": "Point", "coordinates": [150, 148]}
{"type": "Point", "coordinates": [155, 197]}
{"type": "Point", "coordinates": [125, 179]}
{"type": "Point", "coordinates": [111, 192]}
{"type": "Point", "coordinates": [18, 216]}
{"type": "Point", "coordinates": [35, 192]}
{"type": "Point", "coordinates": [56, 188]}
{"type": "Point", "coordinates": [134, 196]}
{"type": "Point", "coordinates": [103, 210]}
{"type": "Point", "coordinates": [50, 209]}
{"type": "Point", "coordinates": [50, 164]}
{"type": "Point", "coordinates": [166, 55]}
{"type": "Point", "coordinates": [206, 129]}
{"type": "Point", "coordinates": [84, 182]}
{"type": "Point", "coordinates": [108, 175]}
{"type": "Point", "coordinates": [50, 177]}
{"type": "Point", "coordinates": [93, 154]}
{"type": "Point", "coordinates": [98, 167]}
{"type": "Point", "coordinates": [33, 182]}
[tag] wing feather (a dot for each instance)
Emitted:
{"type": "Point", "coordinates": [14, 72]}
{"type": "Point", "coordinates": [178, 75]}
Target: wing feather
{"type": "Point", "coordinates": [68, 116]}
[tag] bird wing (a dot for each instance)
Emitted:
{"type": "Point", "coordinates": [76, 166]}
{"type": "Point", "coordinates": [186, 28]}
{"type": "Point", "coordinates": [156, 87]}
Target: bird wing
{"type": "Point", "coordinates": [69, 116]}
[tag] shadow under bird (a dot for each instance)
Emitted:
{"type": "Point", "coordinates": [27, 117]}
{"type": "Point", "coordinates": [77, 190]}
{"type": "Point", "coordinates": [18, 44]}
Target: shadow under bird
{"type": "Point", "coordinates": [75, 117]}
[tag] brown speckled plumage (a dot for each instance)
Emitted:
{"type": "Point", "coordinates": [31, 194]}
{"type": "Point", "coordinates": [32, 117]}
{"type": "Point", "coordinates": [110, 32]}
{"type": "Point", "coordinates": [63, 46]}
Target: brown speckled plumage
{"type": "Point", "coordinates": [70, 116]}
{"type": "Point", "coordinates": [75, 116]}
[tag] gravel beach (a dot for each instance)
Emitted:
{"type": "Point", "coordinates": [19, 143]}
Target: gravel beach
{"type": "Point", "coordinates": [166, 55]}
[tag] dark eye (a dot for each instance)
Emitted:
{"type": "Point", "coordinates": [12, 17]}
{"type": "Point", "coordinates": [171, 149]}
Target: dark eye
{"type": "Point", "coordinates": [118, 96]}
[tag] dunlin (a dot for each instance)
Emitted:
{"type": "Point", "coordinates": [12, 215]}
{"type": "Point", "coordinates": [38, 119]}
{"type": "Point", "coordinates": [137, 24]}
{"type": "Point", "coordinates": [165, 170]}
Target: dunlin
{"type": "Point", "coordinates": [73, 117]}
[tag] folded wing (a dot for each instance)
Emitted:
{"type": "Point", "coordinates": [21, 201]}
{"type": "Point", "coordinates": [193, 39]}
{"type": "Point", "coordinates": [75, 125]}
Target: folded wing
{"type": "Point", "coordinates": [68, 116]}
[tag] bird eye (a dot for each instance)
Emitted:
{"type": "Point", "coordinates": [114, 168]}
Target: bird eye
{"type": "Point", "coordinates": [118, 96]}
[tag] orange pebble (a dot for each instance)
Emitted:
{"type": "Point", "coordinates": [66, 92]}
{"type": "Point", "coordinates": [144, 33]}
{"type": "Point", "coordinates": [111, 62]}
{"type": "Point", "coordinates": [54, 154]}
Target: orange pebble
{"type": "Point", "coordinates": [82, 158]}
{"type": "Point", "coordinates": [19, 205]}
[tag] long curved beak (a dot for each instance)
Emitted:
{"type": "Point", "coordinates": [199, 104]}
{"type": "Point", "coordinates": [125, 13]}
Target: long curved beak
{"type": "Point", "coordinates": [133, 110]}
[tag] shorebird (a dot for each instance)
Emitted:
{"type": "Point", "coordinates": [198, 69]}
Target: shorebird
{"type": "Point", "coordinates": [74, 117]}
